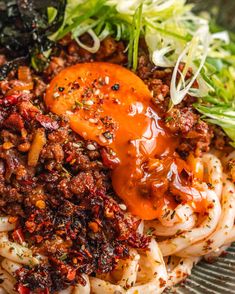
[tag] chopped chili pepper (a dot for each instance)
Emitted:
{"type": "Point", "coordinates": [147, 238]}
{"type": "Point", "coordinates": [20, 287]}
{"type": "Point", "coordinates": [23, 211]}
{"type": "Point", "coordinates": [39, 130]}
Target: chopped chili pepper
{"type": "Point", "coordinates": [18, 236]}
{"type": "Point", "coordinates": [22, 289]}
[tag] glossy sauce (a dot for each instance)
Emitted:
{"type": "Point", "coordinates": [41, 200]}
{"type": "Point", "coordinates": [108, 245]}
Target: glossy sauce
{"type": "Point", "coordinates": [111, 105]}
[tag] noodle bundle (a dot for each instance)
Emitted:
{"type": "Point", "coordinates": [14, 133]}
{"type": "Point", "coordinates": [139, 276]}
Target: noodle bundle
{"type": "Point", "coordinates": [186, 240]}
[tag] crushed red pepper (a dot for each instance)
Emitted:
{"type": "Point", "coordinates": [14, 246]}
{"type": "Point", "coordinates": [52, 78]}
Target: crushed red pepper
{"type": "Point", "coordinates": [62, 205]}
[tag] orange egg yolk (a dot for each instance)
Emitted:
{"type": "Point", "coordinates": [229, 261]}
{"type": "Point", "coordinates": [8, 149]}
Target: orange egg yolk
{"type": "Point", "coordinates": [112, 106]}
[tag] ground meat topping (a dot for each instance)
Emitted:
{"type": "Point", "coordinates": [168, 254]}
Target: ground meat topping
{"type": "Point", "coordinates": [194, 135]}
{"type": "Point", "coordinates": [56, 184]}
{"type": "Point", "coordinates": [64, 202]}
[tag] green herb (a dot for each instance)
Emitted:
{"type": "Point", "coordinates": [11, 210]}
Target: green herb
{"type": "Point", "coordinates": [134, 39]}
{"type": "Point", "coordinates": [76, 14]}
{"type": "Point", "coordinates": [78, 104]}
{"type": "Point", "coordinates": [174, 35]}
{"type": "Point", "coordinates": [218, 106]}
{"type": "Point", "coordinates": [221, 116]}
{"type": "Point", "coordinates": [150, 231]}
{"type": "Point", "coordinates": [63, 257]}
{"type": "Point", "coordinates": [20, 256]}
{"type": "Point", "coordinates": [168, 119]}
{"type": "Point", "coordinates": [129, 21]}
{"type": "Point", "coordinates": [51, 12]}
{"type": "Point", "coordinates": [67, 173]}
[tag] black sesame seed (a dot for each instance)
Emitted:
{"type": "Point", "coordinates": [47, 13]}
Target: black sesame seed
{"type": "Point", "coordinates": [115, 87]}
{"type": "Point", "coordinates": [108, 135]}
{"type": "Point", "coordinates": [61, 89]}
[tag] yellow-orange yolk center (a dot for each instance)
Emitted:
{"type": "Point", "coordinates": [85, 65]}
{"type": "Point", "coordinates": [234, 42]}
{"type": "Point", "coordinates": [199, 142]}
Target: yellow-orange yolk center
{"type": "Point", "coordinates": [112, 106]}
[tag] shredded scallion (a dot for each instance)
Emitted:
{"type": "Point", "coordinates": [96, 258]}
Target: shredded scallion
{"type": "Point", "coordinates": [175, 37]}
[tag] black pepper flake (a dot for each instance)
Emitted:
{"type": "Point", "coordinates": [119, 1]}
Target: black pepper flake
{"type": "Point", "coordinates": [173, 214]}
{"type": "Point", "coordinates": [108, 135]}
{"type": "Point", "coordinates": [61, 89]}
{"type": "Point", "coordinates": [115, 87]}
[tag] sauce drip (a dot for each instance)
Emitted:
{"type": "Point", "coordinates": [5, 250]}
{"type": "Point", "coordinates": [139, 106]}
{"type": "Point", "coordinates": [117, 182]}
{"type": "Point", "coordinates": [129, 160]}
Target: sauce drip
{"type": "Point", "coordinates": [112, 106]}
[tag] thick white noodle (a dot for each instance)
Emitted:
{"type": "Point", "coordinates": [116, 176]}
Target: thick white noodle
{"type": "Point", "coordinates": [66, 291]}
{"type": "Point", "coordinates": [181, 271]}
{"type": "Point", "coordinates": [130, 270]}
{"type": "Point", "coordinates": [185, 239]}
{"type": "Point", "coordinates": [16, 252]}
{"type": "Point", "coordinates": [171, 262]}
{"type": "Point", "coordinates": [214, 241]}
{"type": "Point", "coordinates": [10, 266]}
{"type": "Point", "coordinates": [231, 236]}
{"type": "Point", "coordinates": [79, 289]}
{"type": "Point", "coordinates": [8, 282]}
{"type": "Point", "coordinates": [230, 158]}
{"type": "Point", "coordinates": [5, 226]}
{"type": "Point", "coordinates": [213, 255]}
{"type": "Point", "coordinates": [225, 159]}
{"type": "Point", "coordinates": [179, 215]}
{"type": "Point", "coordinates": [99, 286]}
{"type": "Point", "coordinates": [186, 224]}
{"type": "Point", "coordinates": [157, 283]}
{"type": "Point", "coordinates": [215, 172]}
{"type": "Point", "coordinates": [145, 272]}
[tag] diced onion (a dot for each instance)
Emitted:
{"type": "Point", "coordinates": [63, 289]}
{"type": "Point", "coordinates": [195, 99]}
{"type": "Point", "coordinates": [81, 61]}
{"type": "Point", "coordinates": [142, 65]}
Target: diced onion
{"type": "Point", "coordinates": [38, 142]}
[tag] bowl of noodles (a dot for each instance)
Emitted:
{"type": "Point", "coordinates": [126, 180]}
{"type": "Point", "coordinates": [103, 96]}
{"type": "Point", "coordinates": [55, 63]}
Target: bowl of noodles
{"type": "Point", "coordinates": [117, 137]}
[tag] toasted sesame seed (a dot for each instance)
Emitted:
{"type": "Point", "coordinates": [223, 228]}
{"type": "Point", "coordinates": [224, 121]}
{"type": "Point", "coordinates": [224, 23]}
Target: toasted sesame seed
{"type": "Point", "coordinates": [97, 92]}
{"type": "Point", "coordinates": [122, 206]}
{"type": "Point", "coordinates": [93, 120]}
{"type": "Point", "coordinates": [56, 95]}
{"type": "Point", "coordinates": [91, 147]}
{"type": "Point", "coordinates": [88, 102]}
{"type": "Point", "coordinates": [102, 139]}
{"type": "Point", "coordinates": [160, 97]}
{"type": "Point", "coordinates": [77, 145]}
{"type": "Point", "coordinates": [106, 79]}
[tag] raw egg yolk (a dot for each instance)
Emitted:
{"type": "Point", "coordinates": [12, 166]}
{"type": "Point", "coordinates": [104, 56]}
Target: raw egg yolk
{"type": "Point", "coordinates": [111, 105]}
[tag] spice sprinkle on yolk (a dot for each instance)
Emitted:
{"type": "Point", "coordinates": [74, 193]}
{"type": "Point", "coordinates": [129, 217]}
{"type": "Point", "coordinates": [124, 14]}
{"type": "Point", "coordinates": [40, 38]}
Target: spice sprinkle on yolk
{"type": "Point", "coordinates": [111, 105]}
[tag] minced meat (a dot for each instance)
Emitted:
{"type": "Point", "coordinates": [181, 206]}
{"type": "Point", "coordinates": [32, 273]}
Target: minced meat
{"type": "Point", "coordinates": [63, 198]}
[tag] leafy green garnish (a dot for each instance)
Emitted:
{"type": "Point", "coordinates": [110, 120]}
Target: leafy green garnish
{"type": "Point", "coordinates": [52, 12]}
{"type": "Point", "coordinates": [133, 46]}
{"type": "Point", "coordinates": [75, 16]}
{"type": "Point", "coordinates": [174, 35]}
{"type": "Point", "coordinates": [163, 24]}
{"type": "Point", "coordinates": [218, 106]}
{"type": "Point", "coordinates": [221, 116]}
